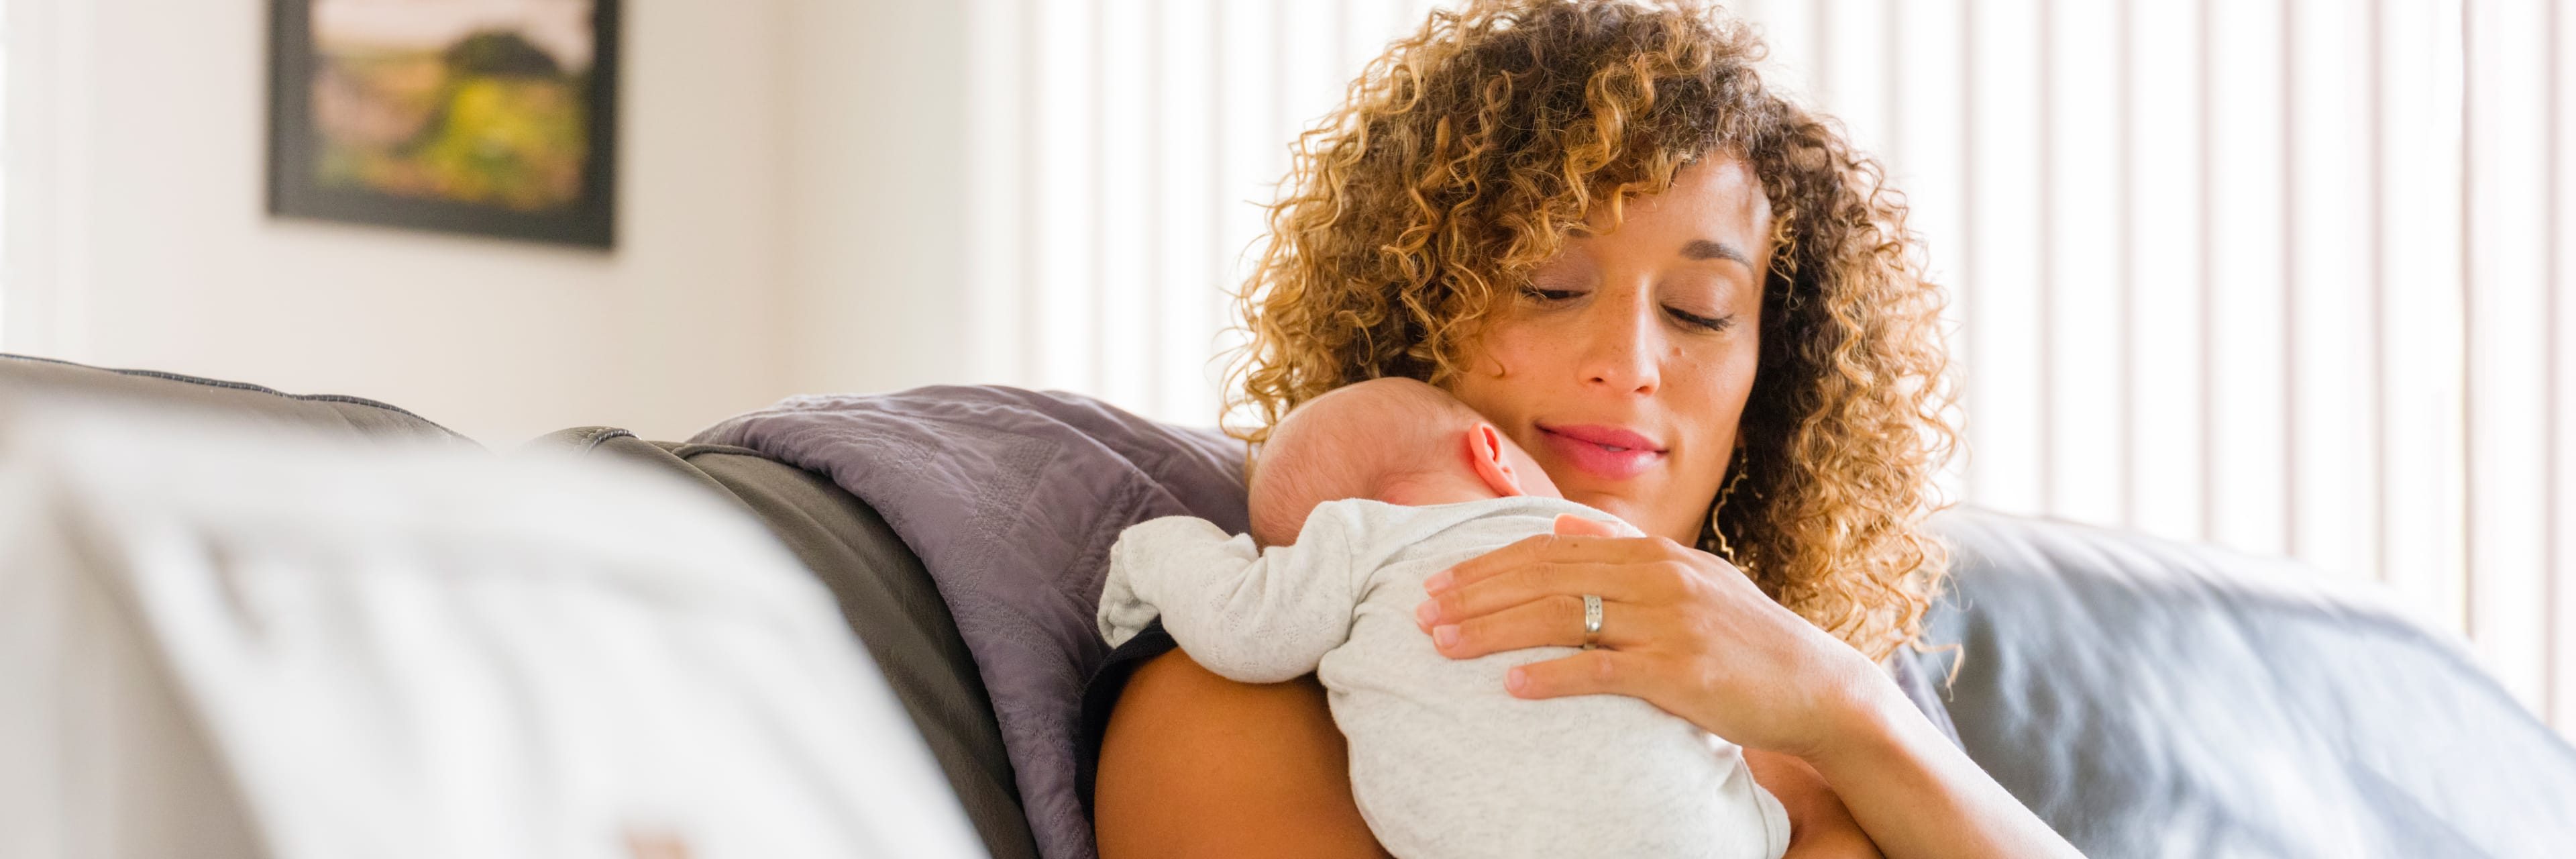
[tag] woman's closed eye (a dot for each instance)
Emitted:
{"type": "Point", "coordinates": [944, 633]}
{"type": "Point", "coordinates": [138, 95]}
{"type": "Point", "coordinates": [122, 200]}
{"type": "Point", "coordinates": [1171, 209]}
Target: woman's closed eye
{"type": "Point", "coordinates": [1712, 323]}
{"type": "Point", "coordinates": [1546, 296]}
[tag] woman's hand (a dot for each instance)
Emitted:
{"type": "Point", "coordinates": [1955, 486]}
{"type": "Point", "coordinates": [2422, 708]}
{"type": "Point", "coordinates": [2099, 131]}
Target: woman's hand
{"type": "Point", "coordinates": [1680, 628]}
{"type": "Point", "coordinates": [1689, 633]}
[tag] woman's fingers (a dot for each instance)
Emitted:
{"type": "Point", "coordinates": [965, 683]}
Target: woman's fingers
{"type": "Point", "coordinates": [1521, 552]}
{"type": "Point", "coordinates": [1592, 672]}
{"type": "Point", "coordinates": [1554, 621]}
{"type": "Point", "coordinates": [1543, 549]}
{"type": "Point", "coordinates": [1622, 582]}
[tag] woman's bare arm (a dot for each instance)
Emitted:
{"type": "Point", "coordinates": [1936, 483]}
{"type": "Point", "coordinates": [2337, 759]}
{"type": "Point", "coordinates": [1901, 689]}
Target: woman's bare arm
{"type": "Point", "coordinates": [1820, 826]}
{"type": "Point", "coordinates": [1194, 764]}
{"type": "Point", "coordinates": [1919, 795]}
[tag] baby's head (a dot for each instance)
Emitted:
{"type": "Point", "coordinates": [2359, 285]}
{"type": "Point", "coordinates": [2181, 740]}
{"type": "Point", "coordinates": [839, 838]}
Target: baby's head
{"type": "Point", "coordinates": [1394, 440]}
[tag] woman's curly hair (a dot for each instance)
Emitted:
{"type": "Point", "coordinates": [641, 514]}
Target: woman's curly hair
{"type": "Point", "coordinates": [1466, 154]}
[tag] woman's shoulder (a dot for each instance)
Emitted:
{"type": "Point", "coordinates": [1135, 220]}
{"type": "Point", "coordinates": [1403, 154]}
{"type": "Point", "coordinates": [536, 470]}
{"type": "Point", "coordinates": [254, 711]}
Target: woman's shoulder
{"type": "Point", "coordinates": [1191, 763]}
{"type": "Point", "coordinates": [1101, 694]}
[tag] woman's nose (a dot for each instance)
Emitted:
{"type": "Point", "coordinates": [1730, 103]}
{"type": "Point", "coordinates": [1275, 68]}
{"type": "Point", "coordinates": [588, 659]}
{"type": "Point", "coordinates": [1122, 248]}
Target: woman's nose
{"type": "Point", "coordinates": [1621, 355]}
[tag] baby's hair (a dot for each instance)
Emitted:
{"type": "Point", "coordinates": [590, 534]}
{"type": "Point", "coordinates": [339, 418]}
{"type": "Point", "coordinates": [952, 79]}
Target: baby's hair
{"type": "Point", "coordinates": [1353, 442]}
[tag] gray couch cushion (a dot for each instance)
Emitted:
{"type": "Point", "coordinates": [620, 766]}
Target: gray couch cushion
{"type": "Point", "coordinates": [28, 374]}
{"type": "Point", "coordinates": [2152, 698]}
{"type": "Point", "coordinates": [885, 595]}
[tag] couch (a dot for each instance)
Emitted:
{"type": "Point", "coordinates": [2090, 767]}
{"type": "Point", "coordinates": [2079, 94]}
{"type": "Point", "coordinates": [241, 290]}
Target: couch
{"type": "Point", "coordinates": [2145, 697]}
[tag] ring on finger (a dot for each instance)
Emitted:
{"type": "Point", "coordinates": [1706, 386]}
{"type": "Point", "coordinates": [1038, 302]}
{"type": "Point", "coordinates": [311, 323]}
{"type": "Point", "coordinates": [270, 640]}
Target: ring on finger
{"type": "Point", "coordinates": [1591, 621]}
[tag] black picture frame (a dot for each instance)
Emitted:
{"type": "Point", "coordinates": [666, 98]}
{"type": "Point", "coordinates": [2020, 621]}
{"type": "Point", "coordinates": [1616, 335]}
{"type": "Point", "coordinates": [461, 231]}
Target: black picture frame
{"type": "Point", "coordinates": [293, 146]}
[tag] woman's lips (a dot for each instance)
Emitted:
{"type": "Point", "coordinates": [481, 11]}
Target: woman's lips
{"type": "Point", "coordinates": [1604, 451]}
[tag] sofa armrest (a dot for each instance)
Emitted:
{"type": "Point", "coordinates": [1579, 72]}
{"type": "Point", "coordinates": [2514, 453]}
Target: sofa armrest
{"type": "Point", "coordinates": [238, 400]}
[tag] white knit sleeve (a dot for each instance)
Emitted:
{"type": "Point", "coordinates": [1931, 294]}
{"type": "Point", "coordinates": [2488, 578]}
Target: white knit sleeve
{"type": "Point", "coordinates": [1254, 617]}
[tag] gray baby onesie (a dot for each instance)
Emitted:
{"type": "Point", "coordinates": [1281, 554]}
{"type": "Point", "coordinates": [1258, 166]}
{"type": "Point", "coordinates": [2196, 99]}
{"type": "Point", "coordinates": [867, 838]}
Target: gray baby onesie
{"type": "Point", "coordinates": [1444, 761]}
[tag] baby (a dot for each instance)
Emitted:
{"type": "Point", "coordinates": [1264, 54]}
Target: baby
{"type": "Point", "coordinates": [1358, 496]}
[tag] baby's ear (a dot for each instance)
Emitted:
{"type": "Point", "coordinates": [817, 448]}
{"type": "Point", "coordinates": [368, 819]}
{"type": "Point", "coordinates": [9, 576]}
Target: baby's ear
{"type": "Point", "coordinates": [1485, 451]}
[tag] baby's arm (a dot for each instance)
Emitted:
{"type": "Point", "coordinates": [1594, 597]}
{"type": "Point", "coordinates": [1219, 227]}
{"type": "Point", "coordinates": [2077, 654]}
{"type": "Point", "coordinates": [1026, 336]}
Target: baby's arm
{"type": "Point", "coordinates": [1254, 617]}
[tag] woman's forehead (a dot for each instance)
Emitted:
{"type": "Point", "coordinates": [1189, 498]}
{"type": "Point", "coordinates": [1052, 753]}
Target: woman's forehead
{"type": "Point", "coordinates": [1715, 209]}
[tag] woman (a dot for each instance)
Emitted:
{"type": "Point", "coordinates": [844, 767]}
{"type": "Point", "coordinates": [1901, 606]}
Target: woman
{"type": "Point", "coordinates": [1694, 305]}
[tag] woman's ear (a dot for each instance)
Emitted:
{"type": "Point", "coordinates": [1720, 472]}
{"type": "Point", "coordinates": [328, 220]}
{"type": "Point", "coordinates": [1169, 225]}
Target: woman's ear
{"type": "Point", "coordinates": [1485, 452]}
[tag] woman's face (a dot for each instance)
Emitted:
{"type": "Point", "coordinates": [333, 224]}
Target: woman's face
{"type": "Point", "coordinates": [1623, 367]}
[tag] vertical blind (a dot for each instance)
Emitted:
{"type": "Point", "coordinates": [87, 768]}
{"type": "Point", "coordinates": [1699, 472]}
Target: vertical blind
{"type": "Point", "coordinates": [1125, 147]}
{"type": "Point", "coordinates": [2289, 276]}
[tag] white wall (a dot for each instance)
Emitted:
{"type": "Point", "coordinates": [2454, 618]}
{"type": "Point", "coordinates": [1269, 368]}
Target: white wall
{"type": "Point", "coordinates": [139, 236]}
{"type": "Point", "coordinates": [878, 243]}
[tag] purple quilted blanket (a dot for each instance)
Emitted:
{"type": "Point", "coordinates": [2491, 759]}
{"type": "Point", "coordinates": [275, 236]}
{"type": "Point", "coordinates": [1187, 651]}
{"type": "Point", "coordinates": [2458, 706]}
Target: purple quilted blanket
{"type": "Point", "coordinates": [1012, 499]}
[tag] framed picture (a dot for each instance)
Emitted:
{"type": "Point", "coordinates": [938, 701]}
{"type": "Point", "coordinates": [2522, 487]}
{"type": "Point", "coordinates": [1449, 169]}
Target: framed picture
{"type": "Point", "coordinates": [492, 117]}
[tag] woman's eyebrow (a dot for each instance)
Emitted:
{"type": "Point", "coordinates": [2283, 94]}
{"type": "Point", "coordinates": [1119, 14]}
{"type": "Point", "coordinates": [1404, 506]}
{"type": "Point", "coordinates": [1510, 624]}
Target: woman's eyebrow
{"type": "Point", "coordinates": [1707, 249]}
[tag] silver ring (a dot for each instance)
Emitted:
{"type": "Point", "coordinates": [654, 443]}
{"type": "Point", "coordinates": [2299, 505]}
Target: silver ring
{"type": "Point", "coordinates": [1591, 621]}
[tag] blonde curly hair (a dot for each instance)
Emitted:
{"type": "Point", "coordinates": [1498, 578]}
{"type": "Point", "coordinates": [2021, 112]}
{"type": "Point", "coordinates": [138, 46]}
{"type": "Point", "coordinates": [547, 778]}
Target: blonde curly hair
{"type": "Point", "coordinates": [1466, 154]}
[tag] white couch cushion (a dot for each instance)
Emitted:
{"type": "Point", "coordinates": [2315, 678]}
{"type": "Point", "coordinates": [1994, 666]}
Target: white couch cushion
{"type": "Point", "coordinates": [218, 640]}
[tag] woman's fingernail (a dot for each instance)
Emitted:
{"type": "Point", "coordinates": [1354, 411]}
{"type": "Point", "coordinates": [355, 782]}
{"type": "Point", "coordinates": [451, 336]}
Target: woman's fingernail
{"type": "Point", "coordinates": [1438, 582]}
{"type": "Point", "coordinates": [1515, 680]}
{"type": "Point", "coordinates": [1445, 635]}
{"type": "Point", "coordinates": [1427, 612]}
